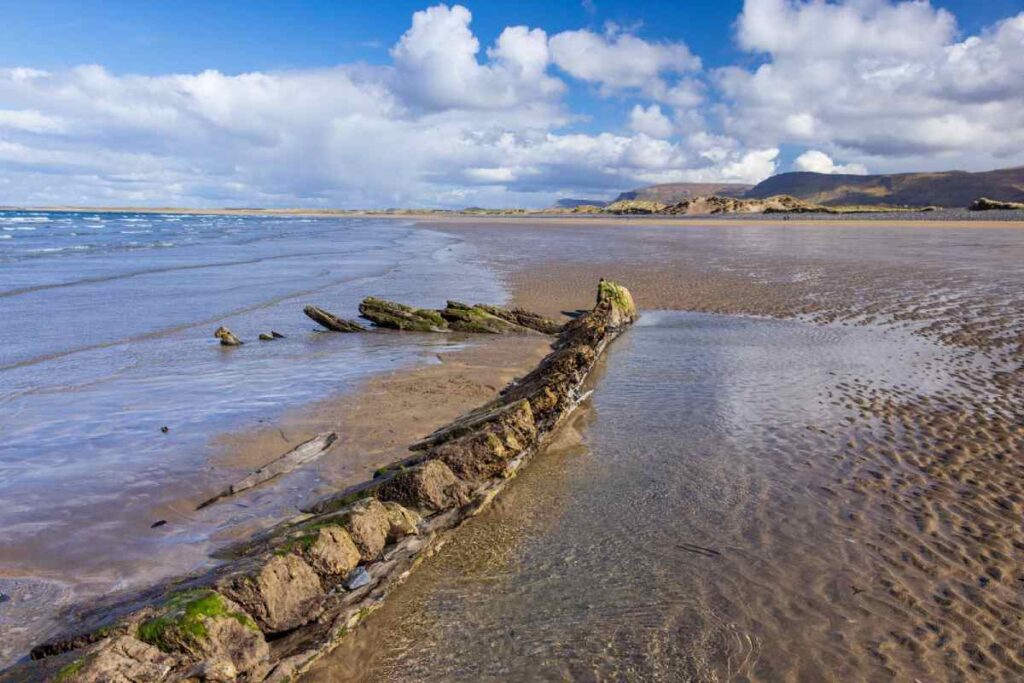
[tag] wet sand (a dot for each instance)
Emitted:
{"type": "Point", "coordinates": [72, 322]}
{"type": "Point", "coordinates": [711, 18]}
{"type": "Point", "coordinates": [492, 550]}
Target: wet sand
{"type": "Point", "coordinates": [888, 544]}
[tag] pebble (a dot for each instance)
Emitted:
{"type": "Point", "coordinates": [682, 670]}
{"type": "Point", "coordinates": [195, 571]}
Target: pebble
{"type": "Point", "coordinates": [357, 578]}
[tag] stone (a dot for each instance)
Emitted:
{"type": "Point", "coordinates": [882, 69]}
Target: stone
{"type": "Point", "coordinates": [330, 551]}
{"type": "Point", "coordinates": [403, 522]}
{"type": "Point", "coordinates": [430, 486]}
{"type": "Point", "coordinates": [266, 336]}
{"type": "Point", "coordinates": [122, 659]}
{"type": "Point", "coordinates": [485, 453]}
{"type": "Point", "coordinates": [281, 594]}
{"type": "Point", "coordinates": [357, 579]}
{"type": "Point", "coordinates": [368, 526]}
{"type": "Point", "coordinates": [213, 670]}
{"type": "Point", "coordinates": [227, 337]}
{"type": "Point", "coordinates": [383, 313]}
{"type": "Point", "coordinates": [205, 625]}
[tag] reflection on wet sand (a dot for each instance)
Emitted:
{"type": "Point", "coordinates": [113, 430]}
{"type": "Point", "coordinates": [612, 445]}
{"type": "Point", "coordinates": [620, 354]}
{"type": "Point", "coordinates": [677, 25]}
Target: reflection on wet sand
{"type": "Point", "coordinates": [835, 499]}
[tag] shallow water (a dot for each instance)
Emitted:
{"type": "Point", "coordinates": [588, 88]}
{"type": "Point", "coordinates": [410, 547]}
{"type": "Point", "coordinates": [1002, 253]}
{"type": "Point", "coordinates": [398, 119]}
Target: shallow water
{"type": "Point", "coordinates": [107, 337]}
{"type": "Point", "coordinates": [689, 536]}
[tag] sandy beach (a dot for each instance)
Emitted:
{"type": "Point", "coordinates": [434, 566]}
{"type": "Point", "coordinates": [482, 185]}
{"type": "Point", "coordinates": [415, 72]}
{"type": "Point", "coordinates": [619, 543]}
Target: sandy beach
{"type": "Point", "coordinates": [911, 491]}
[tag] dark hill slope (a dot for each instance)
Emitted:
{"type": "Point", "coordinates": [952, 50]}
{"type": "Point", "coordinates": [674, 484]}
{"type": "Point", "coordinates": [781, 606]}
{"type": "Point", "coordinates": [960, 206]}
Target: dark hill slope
{"type": "Point", "coordinates": [673, 193]}
{"type": "Point", "coordinates": [950, 188]}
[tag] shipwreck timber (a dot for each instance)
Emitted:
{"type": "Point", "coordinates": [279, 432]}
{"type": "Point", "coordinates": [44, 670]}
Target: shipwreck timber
{"type": "Point", "coordinates": [291, 594]}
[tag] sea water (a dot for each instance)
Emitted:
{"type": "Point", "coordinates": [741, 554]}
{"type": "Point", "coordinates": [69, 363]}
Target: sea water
{"type": "Point", "coordinates": [107, 337]}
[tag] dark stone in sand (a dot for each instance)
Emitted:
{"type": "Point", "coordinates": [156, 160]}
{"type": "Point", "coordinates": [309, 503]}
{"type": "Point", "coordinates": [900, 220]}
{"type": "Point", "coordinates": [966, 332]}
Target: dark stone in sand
{"type": "Point", "coordinates": [357, 578]}
{"type": "Point", "coordinates": [158, 523]}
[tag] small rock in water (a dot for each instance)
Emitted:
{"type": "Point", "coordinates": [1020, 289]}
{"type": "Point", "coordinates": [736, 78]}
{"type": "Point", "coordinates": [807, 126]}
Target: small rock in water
{"type": "Point", "coordinates": [165, 429]}
{"type": "Point", "coordinates": [227, 337]}
{"type": "Point", "coordinates": [276, 335]}
{"type": "Point", "coordinates": [266, 336]}
{"type": "Point", "coordinates": [4, 597]}
{"type": "Point", "coordinates": [158, 523]}
{"type": "Point", "coordinates": [357, 578]}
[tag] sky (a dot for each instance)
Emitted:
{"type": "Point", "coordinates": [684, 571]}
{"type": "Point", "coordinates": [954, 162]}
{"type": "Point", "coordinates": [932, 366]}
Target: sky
{"type": "Point", "coordinates": [371, 105]}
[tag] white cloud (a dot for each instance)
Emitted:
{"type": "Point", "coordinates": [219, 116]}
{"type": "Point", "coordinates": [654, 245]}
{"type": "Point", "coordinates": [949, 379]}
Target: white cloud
{"type": "Point", "coordinates": [436, 63]}
{"type": "Point", "coordinates": [650, 121]}
{"type": "Point", "coordinates": [882, 83]}
{"type": "Point", "coordinates": [874, 83]}
{"type": "Point", "coordinates": [618, 60]}
{"type": "Point", "coordinates": [818, 162]}
{"type": "Point", "coordinates": [753, 167]}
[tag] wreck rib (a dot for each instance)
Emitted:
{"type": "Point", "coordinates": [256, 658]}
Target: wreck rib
{"type": "Point", "coordinates": [310, 580]}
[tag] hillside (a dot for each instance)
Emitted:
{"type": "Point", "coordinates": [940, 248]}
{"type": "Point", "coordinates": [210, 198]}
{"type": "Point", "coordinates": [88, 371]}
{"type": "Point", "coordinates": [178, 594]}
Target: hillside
{"type": "Point", "coordinates": [949, 189]}
{"type": "Point", "coordinates": [672, 193]}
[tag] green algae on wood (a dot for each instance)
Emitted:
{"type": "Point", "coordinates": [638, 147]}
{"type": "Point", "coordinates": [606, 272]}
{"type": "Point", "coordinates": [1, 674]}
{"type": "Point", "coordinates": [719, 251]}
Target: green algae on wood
{"type": "Point", "coordinates": [384, 313]}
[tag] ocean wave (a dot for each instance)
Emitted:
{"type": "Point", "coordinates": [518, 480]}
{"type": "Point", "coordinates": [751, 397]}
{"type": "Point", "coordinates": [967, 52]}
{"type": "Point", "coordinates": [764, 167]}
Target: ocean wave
{"type": "Point", "coordinates": [24, 219]}
{"type": "Point", "coordinates": [26, 228]}
{"type": "Point", "coordinates": [6, 237]}
{"type": "Point", "coordinates": [56, 250]}
{"type": "Point", "coordinates": [136, 232]}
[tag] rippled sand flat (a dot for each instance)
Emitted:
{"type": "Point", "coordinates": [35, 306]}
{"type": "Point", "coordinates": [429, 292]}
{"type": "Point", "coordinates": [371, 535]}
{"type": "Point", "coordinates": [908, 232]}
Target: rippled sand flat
{"type": "Point", "coordinates": [830, 490]}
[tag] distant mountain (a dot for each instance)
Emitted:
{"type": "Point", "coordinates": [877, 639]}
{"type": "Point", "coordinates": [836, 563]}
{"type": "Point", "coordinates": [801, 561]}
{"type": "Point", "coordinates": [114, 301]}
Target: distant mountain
{"type": "Point", "coordinates": [673, 193]}
{"type": "Point", "coordinates": [573, 203]}
{"type": "Point", "coordinates": [950, 188]}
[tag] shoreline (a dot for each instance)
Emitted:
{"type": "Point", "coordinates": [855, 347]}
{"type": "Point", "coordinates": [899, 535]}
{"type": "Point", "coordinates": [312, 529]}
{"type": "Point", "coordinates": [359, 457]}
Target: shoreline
{"type": "Point", "coordinates": [147, 633]}
{"type": "Point", "coordinates": [946, 218]}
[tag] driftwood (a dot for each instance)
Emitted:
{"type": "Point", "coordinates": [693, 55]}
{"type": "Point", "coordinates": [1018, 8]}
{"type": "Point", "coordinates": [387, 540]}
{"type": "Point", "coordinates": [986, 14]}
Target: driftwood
{"type": "Point", "coordinates": [281, 601]}
{"type": "Point", "coordinates": [304, 453]}
{"type": "Point", "coordinates": [331, 321]}
{"type": "Point", "coordinates": [456, 317]}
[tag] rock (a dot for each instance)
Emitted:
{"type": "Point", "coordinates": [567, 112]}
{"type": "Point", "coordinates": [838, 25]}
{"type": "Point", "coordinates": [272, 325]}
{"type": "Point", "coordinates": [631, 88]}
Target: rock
{"type": "Point", "coordinates": [330, 551]}
{"type": "Point", "coordinates": [280, 594]}
{"type": "Point", "coordinates": [368, 526]}
{"type": "Point", "coordinates": [205, 625]}
{"type": "Point", "coordinates": [986, 204]}
{"type": "Point", "coordinates": [401, 317]}
{"type": "Point", "coordinates": [213, 670]}
{"type": "Point", "coordinates": [157, 524]}
{"type": "Point", "coordinates": [122, 659]}
{"type": "Point", "coordinates": [331, 321]}
{"type": "Point", "coordinates": [4, 597]}
{"type": "Point", "coordinates": [276, 335]}
{"type": "Point", "coordinates": [266, 336]}
{"type": "Point", "coordinates": [403, 522]}
{"type": "Point", "coordinates": [485, 453]}
{"type": "Point", "coordinates": [165, 429]}
{"type": "Point", "coordinates": [357, 579]}
{"type": "Point", "coordinates": [227, 337]}
{"type": "Point", "coordinates": [430, 486]}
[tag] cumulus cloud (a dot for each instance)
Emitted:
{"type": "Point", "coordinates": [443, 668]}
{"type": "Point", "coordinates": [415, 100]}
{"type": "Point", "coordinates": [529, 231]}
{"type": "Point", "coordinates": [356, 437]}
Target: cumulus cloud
{"type": "Point", "coordinates": [618, 60]}
{"type": "Point", "coordinates": [883, 83]}
{"type": "Point", "coordinates": [448, 121]}
{"type": "Point", "coordinates": [650, 121]}
{"type": "Point", "coordinates": [436, 63]}
{"type": "Point", "coordinates": [818, 162]}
